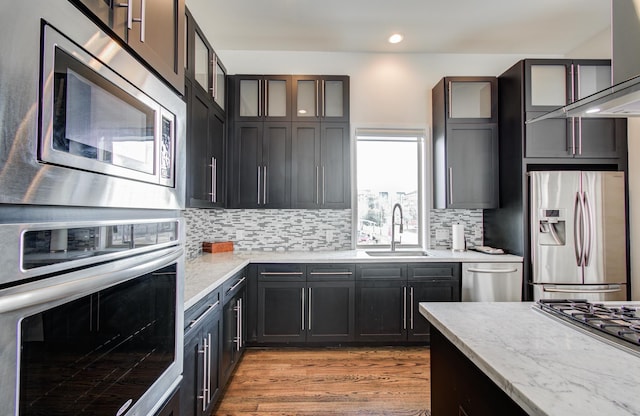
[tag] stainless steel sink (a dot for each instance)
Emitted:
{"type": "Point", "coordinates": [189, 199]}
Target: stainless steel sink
{"type": "Point", "coordinates": [399, 253]}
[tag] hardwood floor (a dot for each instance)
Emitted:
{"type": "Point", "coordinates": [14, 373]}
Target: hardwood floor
{"type": "Point", "coordinates": [330, 381]}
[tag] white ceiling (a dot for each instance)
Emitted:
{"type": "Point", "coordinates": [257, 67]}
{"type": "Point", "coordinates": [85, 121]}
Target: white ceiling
{"type": "Point", "coordinates": [429, 26]}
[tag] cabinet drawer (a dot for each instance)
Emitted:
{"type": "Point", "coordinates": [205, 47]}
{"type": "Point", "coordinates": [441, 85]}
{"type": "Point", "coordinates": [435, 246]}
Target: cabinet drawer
{"type": "Point", "coordinates": [281, 272]}
{"type": "Point", "coordinates": [388, 271]}
{"type": "Point", "coordinates": [433, 272]}
{"type": "Point", "coordinates": [318, 272]}
{"type": "Point", "coordinates": [233, 285]}
{"type": "Point", "coordinates": [201, 310]}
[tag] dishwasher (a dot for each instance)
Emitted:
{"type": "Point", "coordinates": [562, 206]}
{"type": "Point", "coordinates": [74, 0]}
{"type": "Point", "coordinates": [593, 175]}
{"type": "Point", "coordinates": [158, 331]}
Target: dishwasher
{"type": "Point", "coordinates": [491, 282]}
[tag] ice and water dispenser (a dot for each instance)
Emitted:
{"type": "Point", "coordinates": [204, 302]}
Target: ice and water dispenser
{"type": "Point", "coordinates": [552, 227]}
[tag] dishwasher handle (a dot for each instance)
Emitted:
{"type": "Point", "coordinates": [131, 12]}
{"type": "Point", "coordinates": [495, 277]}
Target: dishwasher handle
{"type": "Point", "coordinates": [474, 270]}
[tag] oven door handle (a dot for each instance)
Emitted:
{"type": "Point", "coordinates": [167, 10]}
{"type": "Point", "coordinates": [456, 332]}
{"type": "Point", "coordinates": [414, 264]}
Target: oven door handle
{"type": "Point", "coordinates": [82, 282]}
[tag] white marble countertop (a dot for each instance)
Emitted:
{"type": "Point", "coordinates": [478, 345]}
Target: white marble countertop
{"type": "Point", "coordinates": [544, 365]}
{"type": "Point", "coordinates": [209, 271]}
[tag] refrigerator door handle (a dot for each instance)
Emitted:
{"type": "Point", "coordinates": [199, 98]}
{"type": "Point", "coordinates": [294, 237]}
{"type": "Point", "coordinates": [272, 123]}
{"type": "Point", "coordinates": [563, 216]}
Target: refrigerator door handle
{"type": "Point", "coordinates": [577, 217]}
{"type": "Point", "coordinates": [589, 230]}
{"type": "Point", "coordinates": [555, 289]}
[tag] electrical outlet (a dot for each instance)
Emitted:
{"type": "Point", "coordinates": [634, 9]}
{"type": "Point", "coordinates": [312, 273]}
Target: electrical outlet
{"type": "Point", "coordinates": [329, 235]}
{"type": "Point", "coordinates": [239, 235]}
{"type": "Point", "coordinates": [442, 234]}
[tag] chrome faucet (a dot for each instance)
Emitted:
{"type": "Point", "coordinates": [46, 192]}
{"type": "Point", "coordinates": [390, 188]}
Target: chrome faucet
{"type": "Point", "coordinates": [393, 225]}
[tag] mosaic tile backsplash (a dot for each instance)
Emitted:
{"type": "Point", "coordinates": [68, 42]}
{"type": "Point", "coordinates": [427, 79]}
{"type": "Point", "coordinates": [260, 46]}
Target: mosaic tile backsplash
{"type": "Point", "coordinates": [304, 230]}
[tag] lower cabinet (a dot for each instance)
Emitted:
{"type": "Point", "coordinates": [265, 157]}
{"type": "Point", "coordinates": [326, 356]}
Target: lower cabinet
{"type": "Point", "coordinates": [304, 304]}
{"type": "Point", "coordinates": [387, 298]}
{"type": "Point", "coordinates": [201, 382]}
{"type": "Point", "coordinates": [172, 406]}
{"type": "Point", "coordinates": [459, 387]}
{"type": "Point", "coordinates": [233, 327]}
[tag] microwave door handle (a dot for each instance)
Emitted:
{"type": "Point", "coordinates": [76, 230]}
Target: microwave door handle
{"type": "Point", "coordinates": [590, 231]}
{"type": "Point", "coordinates": [577, 243]}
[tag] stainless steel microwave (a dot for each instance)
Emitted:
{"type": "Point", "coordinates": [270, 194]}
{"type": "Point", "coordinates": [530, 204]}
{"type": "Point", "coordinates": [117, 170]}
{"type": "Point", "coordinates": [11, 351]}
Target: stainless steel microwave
{"type": "Point", "coordinates": [84, 122]}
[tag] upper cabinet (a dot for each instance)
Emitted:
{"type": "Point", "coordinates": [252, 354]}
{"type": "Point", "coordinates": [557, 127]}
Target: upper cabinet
{"type": "Point", "coordinates": [153, 29]}
{"type": "Point", "coordinates": [553, 83]}
{"type": "Point", "coordinates": [465, 142]}
{"type": "Point", "coordinates": [261, 97]}
{"type": "Point", "coordinates": [321, 98]}
{"type": "Point", "coordinates": [471, 100]}
{"type": "Point", "coordinates": [206, 126]}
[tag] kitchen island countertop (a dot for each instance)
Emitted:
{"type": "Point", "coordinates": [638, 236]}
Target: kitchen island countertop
{"type": "Point", "coordinates": [207, 272]}
{"type": "Point", "coordinates": [545, 366]}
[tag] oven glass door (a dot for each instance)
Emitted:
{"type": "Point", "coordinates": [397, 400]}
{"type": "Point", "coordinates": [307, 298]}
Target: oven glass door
{"type": "Point", "coordinates": [97, 355]}
{"type": "Point", "coordinates": [95, 120]}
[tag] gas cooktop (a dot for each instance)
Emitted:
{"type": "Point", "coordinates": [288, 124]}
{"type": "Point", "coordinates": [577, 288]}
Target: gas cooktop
{"type": "Point", "coordinates": [617, 324]}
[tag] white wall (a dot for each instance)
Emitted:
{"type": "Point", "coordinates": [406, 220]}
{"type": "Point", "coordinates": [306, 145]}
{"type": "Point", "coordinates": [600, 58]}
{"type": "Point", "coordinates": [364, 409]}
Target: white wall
{"type": "Point", "coordinates": [392, 90]}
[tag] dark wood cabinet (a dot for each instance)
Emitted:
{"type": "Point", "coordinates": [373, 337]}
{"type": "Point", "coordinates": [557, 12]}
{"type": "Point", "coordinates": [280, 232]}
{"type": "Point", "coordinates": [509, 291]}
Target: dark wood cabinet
{"type": "Point", "coordinates": [320, 98]}
{"type": "Point", "coordinates": [465, 142]}
{"type": "Point", "coordinates": [260, 97]}
{"type": "Point", "coordinates": [321, 166]}
{"type": "Point", "coordinates": [387, 298]}
{"type": "Point", "coordinates": [206, 145]}
{"type": "Point", "coordinates": [459, 387]}
{"type": "Point", "coordinates": [261, 165]}
{"type": "Point", "coordinates": [233, 325]}
{"type": "Point", "coordinates": [154, 30]}
{"type": "Point", "coordinates": [304, 304]}
{"type": "Point", "coordinates": [201, 384]}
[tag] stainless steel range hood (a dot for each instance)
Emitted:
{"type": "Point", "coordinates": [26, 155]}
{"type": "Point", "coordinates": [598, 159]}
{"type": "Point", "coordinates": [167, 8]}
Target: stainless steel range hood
{"type": "Point", "coordinates": [623, 98]}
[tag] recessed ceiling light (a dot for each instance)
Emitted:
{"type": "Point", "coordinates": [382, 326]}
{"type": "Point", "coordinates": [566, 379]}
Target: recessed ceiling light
{"type": "Point", "coordinates": [593, 110]}
{"type": "Point", "coordinates": [395, 38]}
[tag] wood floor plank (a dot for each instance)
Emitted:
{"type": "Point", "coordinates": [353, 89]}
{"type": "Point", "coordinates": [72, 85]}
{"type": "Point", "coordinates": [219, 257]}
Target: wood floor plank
{"type": "Point", "coordinates": [330, 381]}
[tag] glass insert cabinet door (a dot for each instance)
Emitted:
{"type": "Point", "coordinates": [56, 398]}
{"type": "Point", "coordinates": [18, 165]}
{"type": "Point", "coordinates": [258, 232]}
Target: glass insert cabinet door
{"type": "Point", "coordinates": [320, 97]}
{"type": "Point", "coordinates": [264, 97]}
{"type": "Point", "coordinates": [470, 100]}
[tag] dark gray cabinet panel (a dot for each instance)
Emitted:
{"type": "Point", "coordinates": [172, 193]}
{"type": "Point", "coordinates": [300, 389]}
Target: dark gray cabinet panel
{"type": "Point", "coordinates": [320, 166]}
{"type": "Point", "coordinates": [233, 334]}
{"type": "Point", "coordinates": [331, 309]}
{"type": "Point", "coordinates": [381, 310]}
{"type": "Point", "coordinates": [261, 165]}
{"type": "Point", "coordinates": [206, 142]}
{"type": "Point", "coordinates": [472, 165]}
{"type": "Point", "coordinates": [465, 150]}
{"type": "Point", "coordinates": [281, 312]}
{"type": "Point", "coordinates": [201, 383]}
{"type": "Point", "coordinates": [156, 34]}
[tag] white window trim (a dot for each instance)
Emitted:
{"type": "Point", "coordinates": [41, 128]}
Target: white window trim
{"type": "Point", "coordinates": [425, 177]}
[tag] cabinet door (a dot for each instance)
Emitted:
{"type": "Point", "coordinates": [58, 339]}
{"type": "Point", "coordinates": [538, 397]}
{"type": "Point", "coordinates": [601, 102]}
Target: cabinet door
{"type": "Point", "coordinates": [601, 137]}
{"type": "Point", "coordinates": [159, 37]}
{"type": "Point", "coordinates": [281, 312]}
{"type": "Point", "coordinates": [305, 168]}
{"type": "Point", "coordinates": [198, 153]}
{"type": "Point", "coordinates": [321, 98]}
{"type": "Point", "coordinates": [276, 165]}
{"type": "Point", "coordinates": [266, 98]}
{"type": "Point", "coordinates": [233, 335]}
{"type": "Point", "coordinates": [202, 58]}
{"type": "Point", "coordinates": [201, 383]}
{"type": "Point", "coordinates": [381, 310]}
{"type": "Point", "coordinates": [552, 137]}
{"type": "Point", "coordinates": [472, 166]}
{"type": "Point", "coordinates": [217, 146]}
{"type": "Point", "coordinates": [437, 291]}
{"type": "Point", "coordinates": [247, 162]}
{"type": "Point", "coordinates": [331, 311]}
{"type": "Point", "coordinates": [335, 180]}
{"type": "Point", "coordinates": [549, 84]}
{"type": "Point", "coordinates": [591, 76]}
{"type": "Point", "coordinates": [472, 99]}
{"type": "Point", "coordinates": [112, 14]}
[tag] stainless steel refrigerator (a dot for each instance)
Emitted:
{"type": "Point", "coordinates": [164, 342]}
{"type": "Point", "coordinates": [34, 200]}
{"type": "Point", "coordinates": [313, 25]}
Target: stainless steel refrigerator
{"type": "Point", "coordinates": [578, 235]}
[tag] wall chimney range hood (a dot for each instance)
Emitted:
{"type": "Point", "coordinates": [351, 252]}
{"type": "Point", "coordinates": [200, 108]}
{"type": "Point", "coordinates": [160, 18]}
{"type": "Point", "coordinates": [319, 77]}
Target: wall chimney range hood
{"type": "Point", "coordinates": [623, 98]}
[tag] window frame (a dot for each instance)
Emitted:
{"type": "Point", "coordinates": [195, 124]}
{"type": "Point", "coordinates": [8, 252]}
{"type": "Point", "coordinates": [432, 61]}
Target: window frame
{"type": "Point", "coordinates": [423, 140]}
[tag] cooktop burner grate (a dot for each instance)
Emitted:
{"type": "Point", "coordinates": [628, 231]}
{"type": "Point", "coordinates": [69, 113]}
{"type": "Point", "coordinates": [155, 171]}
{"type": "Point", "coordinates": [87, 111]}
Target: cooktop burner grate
{"type": "Point", "coordinates": [617, 324]}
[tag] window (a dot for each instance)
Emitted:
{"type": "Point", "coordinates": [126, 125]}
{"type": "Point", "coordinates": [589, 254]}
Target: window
{"type": "Point", "coordinates": [389, 170]}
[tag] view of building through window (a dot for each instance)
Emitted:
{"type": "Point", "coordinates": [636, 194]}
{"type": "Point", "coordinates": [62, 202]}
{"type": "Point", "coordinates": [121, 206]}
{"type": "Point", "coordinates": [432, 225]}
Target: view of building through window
{"type": "Point", "coordinates": [388, 173]}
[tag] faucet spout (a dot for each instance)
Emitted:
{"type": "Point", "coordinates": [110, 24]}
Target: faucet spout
{"type": "Point", "coordinates": [393, 225]}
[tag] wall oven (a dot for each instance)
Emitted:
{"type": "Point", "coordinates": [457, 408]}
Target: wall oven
{"type": "Point", "coordinates": [91, 316]}
{"type": "Point", "coordinates": [83, 122]}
